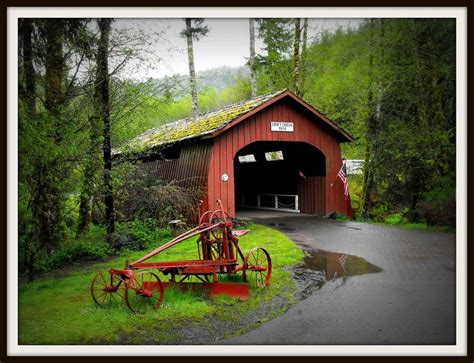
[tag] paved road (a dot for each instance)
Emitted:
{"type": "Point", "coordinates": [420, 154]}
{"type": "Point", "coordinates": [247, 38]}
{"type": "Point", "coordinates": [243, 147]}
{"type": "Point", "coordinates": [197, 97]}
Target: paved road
{"type": "Point", "coordinates": [412, 301]}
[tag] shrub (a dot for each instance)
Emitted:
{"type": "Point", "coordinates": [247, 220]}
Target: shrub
{"type": "Point", "coordinates": [380, 212]}
{"type": "Point", "coordinates": [396, 218]}
{"type": "Point", "coordinates": [91, 246]}
{"type": "Point", "coordinates": [438, 205]}
{"type": "Point", "coordinates": [140, 196]}
{"type": "Point", "coordinates": [140, 234]}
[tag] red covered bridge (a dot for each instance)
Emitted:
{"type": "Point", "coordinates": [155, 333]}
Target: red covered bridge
{"type": "Point", "coordinates": [272, 151]}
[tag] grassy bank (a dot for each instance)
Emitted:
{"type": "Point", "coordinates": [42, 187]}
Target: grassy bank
{"type": "Point", "coordinates": [383, 215]}
{"type": "Point", "coordinates": [58, 308]}
{"type": "Point", "coordinates": [395, 220]}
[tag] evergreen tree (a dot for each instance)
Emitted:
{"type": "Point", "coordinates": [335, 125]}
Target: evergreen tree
{"type": "Point", "coordinates": [273, 66]}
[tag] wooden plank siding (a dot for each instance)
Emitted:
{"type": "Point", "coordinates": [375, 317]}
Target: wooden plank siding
{"type": "Point", "coordinates": [312, 195]}
{"type": "Point", "coordinates": [190, 170]}
{"type": "Point", "coordinates": [307, 128]}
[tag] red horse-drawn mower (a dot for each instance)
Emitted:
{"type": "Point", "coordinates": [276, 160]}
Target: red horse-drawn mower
{"type": "Point", "coordinates": [218, 253]}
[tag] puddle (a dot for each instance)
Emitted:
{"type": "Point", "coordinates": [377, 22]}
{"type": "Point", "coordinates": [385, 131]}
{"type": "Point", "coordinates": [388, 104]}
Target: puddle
{"type": "Point", "coordinates": [336, 265]}
{"type": "Point", "coordinates": [320, 266]}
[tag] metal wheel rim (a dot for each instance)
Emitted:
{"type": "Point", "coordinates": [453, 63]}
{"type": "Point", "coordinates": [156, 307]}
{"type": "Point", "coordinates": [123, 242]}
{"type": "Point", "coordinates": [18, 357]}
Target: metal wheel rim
{"type": "Point", "coordinates": [218, 232]}
{"type": "Point", "coordinates": [138, 303]}
{"type": "Point", "coordinates": [105, 298]}
{"type": "Point", "coordinates": [257, 257]}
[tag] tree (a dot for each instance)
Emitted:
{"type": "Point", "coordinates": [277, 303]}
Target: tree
{"type": "Point", "coordinates": [102, 104]}
{"type": "Point", "coordinates": [297, 57]}
{"type": "Point", "coordinates": [194, 30]}
{"type": "Point", "coordinates": [28, 97]}
{"type": "Point", "coordinates": [274, 66]}
{"type": "Point", "coordinates": [303, 58]}
{"type": "Point", "coordinates": [370, 126]}
{"type": "Point", "coordinates": [48, 201]}
{"type": "Point", "coordinates": [29, 93]}
{"type": "Point", "coordinates": [253, 75]}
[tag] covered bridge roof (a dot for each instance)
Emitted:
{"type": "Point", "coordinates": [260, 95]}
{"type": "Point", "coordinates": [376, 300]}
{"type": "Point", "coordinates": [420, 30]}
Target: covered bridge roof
{"type": "Point", "coordinates": [212, 123]}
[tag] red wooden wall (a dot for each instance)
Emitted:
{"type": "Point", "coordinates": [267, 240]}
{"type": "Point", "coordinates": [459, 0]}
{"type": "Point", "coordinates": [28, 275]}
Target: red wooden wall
{"type": "Point", "coordinates": [312, 195]}
{"type": "Point", "coordinates": [190, 170]}
{"type": "Point", "coordinates": [307, 128]}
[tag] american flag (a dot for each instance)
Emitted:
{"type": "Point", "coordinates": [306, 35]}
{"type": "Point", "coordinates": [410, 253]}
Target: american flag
{"type": "Point", "coordinates": [342, 175]}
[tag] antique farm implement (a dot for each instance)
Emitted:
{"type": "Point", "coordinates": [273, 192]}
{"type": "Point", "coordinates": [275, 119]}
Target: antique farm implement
{"type": "Point", "coordinates": [218, 253]}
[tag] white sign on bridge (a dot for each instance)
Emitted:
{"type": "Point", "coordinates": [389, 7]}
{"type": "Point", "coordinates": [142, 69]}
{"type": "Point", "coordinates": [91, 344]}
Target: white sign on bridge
{"type": "Point", "coordinates": [282, 126]}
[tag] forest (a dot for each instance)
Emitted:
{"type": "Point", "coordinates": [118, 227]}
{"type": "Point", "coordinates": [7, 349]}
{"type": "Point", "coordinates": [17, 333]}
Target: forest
{"type": "Point", "coordinates": [390, 83]}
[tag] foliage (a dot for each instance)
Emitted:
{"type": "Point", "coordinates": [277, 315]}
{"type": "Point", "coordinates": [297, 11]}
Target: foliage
{"type": "Point", "coordinates": [90, 246]}
{"type": "Point", "coordinates": [411, 80]}
{"type": "Point", "coordinates": [273, 68]}
{"type": "Point", "coordinates": [141, 195]}
{"type": "Point", "coordinates": [412, 83]}
{"type": "Point", "coordinates": [438, 205]}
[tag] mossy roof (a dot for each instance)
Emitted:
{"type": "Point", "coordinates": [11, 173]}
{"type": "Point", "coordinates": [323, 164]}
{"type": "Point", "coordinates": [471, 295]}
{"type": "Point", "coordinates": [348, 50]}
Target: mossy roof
{"type": "Point", "coordinates": [193, 127]}
{"type": "Point", "coordinates": [207, 124]}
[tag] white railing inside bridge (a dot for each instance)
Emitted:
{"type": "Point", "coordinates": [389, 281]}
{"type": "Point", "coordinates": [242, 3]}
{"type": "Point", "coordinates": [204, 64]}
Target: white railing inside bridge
{"type": "Point", "coordinates": [282, 202]}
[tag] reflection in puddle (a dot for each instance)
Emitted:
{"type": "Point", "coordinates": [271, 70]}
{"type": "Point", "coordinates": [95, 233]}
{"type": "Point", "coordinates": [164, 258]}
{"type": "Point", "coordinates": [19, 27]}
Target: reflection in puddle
{"type": "Point", "coordinates": [320, 266]}
{"type": "Point", "coordinates": [336, 265]}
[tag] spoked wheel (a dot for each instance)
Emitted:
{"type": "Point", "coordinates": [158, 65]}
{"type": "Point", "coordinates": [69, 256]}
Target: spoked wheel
{"type": "Point", "coordinates": [106, 289]}
{"type": "Point", "coordinates": [216, 217]}
{"type": "Point", "coordinates": [257, 268]}
{"type": "Point", "coordinates": [144, 292]}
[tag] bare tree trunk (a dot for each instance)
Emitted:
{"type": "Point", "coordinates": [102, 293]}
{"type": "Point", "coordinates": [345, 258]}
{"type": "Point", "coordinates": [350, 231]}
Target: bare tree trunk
{"type": "Point", "coordinates": [367, 185]}
{"type": "Point", "coordinates": [192, 74]}
{"type": "Point", "coordinates": [303, 57]}
{"type": "Point", "coordinates": [102, 101]}
{"type": "Point", "coordinates": [296, 57]}
{"type": "Point", "coordinates": [253, 76]}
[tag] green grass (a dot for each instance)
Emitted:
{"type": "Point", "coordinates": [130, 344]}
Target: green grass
{"type": "Point", "coordinates": [393, 221]}
{"type": "Point", "coordinates": [382, 217]}
{"type": "Point", "coordinates": [59, 309]}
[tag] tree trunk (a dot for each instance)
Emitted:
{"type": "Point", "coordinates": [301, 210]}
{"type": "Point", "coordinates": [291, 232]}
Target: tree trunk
{"type": "Point", "coordinates": [368, 176]}
{"type": "Point", "coordinates": [54, 71]}
{"type": "Point", "coordinates": [303, 57]}
{"type": "Point", "coordinates": [48, 201]}
{"type": "Point", "coordinates": [29, 70]}
{"type": "Point", "coordinates": [192, 74]}
{"type": "Point", "coordinates": [92, 165]}
{"type": "Point", "coordinates": [253, 76]}
{"type": "Point", "coordinates": [296, 57]}
{"type": "Point", "coordinates": [103, 105]}
{"type": "Point", "coordinates": [29, 97]}
{"type": "Point", "coordinates": [419, 80]}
